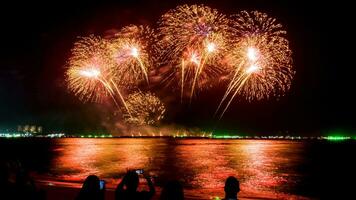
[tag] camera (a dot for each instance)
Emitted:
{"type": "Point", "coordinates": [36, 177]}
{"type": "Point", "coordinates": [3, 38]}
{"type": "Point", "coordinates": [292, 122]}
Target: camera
{"type": "Point", "coordinates": [139, 171]}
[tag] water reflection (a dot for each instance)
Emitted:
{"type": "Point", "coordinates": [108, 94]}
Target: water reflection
{"type": "Point", "coordinates": [107, 158]}
{"type": "Point", "coordinates": [265, 168]}
{"type": "Point", "coordinates": [207, 165]}
{"type": "Point", "coordinates": [259, 168]}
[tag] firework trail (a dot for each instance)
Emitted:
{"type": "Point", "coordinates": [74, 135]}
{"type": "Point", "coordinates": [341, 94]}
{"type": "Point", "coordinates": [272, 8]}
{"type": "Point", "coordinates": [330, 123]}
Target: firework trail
{"type": "Point", "coordinates": [261, 59]}
{"type": "Point", "coordinates": [87, 63]}
{"type": "Point", "coordinates": [198, 44]}
{"type": "Point", "coordinates": [90, 71]}
{"type": "Point", "coordinates": [132, 55]}
{"type": "Point", "coordinates": [193, 40]}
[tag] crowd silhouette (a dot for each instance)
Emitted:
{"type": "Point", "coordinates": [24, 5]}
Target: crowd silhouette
{"type": "Point", "coordinates": [16, 183]}
{"type": "Point", "coordinates": [127, 189]}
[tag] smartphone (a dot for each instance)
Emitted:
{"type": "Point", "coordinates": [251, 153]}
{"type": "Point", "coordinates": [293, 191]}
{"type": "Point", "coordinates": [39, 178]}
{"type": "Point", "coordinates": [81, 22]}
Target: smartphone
{"type": "Point", "coordinates": [139, 171]}
{"type": "Point", "coordinates": [102, 184]}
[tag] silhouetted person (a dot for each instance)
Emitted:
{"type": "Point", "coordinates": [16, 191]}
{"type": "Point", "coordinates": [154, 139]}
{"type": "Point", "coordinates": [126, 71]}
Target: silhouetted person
{"type": "Point", "coordinates": [25, 186]}
{"type": "Point", "coordinates": [130, 182]}
{"type": "Point", "coordinates": [173, 190]}
{"type": "Point", "coordinates": [232, 187]}
{"type": "Point", "coordinates": [16, 183]}
{"type": "Point", "coordinates": [7, 181]}
{"type": "Point", "coordinates": [91, 189]}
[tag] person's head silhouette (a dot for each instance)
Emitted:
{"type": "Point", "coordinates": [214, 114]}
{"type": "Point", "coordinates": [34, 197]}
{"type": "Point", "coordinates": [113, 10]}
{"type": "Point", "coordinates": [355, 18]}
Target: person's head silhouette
{"type": "Point", "coordinates": [131, 181]}
{"type": "Point", "coordinates": [173, 190]}
{"type": "Point", "coordinates": [232, 187]}
{"type": "Point", "coordinates": [90, 189]}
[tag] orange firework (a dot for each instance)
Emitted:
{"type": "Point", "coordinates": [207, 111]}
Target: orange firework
{"type": "Point", "coordinates": [193, 42]}
{"type": "Point", "coordinates": [89, 68]}
{"type": "Point", "coordinates": [131, 54]}
{"type": "Point", "coordinates": [91, 71]}
{"type": "Point", "coordinates": [261, 59]}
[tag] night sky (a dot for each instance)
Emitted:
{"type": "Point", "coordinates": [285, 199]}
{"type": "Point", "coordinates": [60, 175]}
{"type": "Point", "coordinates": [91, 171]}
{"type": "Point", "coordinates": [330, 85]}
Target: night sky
{"type": "Point", "coordinates": [36, 40]}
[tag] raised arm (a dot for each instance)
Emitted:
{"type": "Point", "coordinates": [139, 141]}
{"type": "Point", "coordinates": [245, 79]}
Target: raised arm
{"type": "Point", "coordinates": [151, 186]}
{"type": "Point", "coordinates": [120, 188]}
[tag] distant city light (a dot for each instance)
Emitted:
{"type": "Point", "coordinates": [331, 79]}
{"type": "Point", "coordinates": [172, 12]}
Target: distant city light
{"type": "Point", "coordinates": [338, 138]}
{"type": "Point", "coordinates": [179, 134]}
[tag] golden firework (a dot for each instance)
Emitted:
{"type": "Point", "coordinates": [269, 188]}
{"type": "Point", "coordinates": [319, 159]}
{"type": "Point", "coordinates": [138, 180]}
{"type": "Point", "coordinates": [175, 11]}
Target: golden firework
{"type": "Point", "coordinates": [131, 53]}
{"type": "Point", "coordinates": [146, 109]}
{"type": "Point", "coordinates": [261, 60]}
{"type": "Point", "coordinates": [90, 73]}
{"type": "Point", "coordinates": [89, 68]}
{"type": "Point", "coordinates": [193, 40]}
{"type": "Point", "coordinates": [256, 23]}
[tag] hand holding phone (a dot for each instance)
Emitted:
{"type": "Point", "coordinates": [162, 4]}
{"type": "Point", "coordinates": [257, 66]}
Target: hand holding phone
{"type": "Point", "coordinates": [139, 171]}
{"type": "Point", "coordinates": [102, 184]}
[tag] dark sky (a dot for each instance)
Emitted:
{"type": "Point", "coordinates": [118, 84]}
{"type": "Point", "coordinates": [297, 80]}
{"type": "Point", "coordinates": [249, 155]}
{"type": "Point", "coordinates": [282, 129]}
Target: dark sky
{"type": "Point", "coordinates": [36, 40]}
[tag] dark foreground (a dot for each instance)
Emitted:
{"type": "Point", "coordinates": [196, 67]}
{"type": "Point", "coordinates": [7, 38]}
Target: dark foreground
{"type": "Point", "coordinates": [267, 169]}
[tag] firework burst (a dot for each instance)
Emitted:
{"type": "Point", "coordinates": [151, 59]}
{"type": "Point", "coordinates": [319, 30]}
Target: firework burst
{"type": "Point", "coordinates": [91, 71]}
{"type": "Point", "coordinates": [131, 53]}
{"type": "Point", "coordinates": [146, 109]}
{"type": "Point", "coordinates": [261, 59]}
{"type": "Point", "coordinates": [193, 41]}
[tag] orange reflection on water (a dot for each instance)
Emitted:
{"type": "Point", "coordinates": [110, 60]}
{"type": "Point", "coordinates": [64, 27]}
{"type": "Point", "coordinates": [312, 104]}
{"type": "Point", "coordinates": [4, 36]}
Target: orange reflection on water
{"type": "Point", "coordinates": [209, 163]}
{"type": "Point", "coordinates": [264, 168]}
{"type": "Point", "coordinates": [78, 157]}
{"type": "Point", "coordinates": [103, 157]}
{"type": "Point", "coordinates": [259, 168]}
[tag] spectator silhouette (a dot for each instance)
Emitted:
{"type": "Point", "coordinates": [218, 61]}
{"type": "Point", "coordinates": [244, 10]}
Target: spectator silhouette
{"type": "Point", "coordinates": [16, 183]}
{"type": "Point", "coordinates": [232, 187]}
{"type": "Point", "coordinates": [91, 189]}
{"type": "Point", "coordinates": [130, 182]}
{"type": "Point", "coordinates": [173, 190]}
{"type": "Point", "coordinates": [7, 181]}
